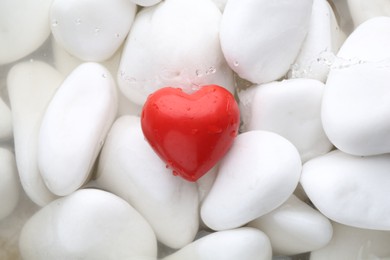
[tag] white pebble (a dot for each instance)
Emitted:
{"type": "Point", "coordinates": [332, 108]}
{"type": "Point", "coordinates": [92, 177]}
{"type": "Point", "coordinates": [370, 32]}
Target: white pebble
{"type": "Point", "coordinates": [88, 224]}
{"type": "Point", "coordinates": [261, 39]}
{"type": "Point", "coordinates": [31, 85]}
{"type": "Point", "coordinates": [24, 27]}
{"type": "Point", "coordinates": [355, 111]}
{"type": "Point", "coordinates": [354, 243]}
{"type": "Point", "coordinates": [74, 127]}
{"type": "Point", "coordinates": [9, 183]}
{"type": "Point", "coordinates": [91, 30]}
{"type": "Point", "coordinates": [350, 190]}
{"type": "Point", "coordinates": [258, 174]}
{"type": "Point", "coordinates": [129, 168]}
{"type": "Point", "coordinates": [294, 228]}
{"type": "Point", "coordinates": [290, 108]}
{"type": "Point", "coordinates": [145, 2]}
{"type": "Point", "coordinates": [5, 122]}
{"type": "Point", "coordinates": [362, 10]}
{"type": "Point", "coordinates": [242, 243]}
{"type": "Point", "coordinates": [175, 43]}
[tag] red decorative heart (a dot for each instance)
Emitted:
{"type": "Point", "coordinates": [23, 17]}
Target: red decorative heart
{"type": "Point", "coordinates": [190, 132]}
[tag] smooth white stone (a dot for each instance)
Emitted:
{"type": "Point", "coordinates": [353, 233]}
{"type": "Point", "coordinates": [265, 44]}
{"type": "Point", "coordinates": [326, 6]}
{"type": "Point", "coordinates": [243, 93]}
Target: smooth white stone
{"type": "Point", "coordinates": [362, 10]}
{"type": "Point", "coordinates": [129, 168]}
{"type": "Point", "coordinates": [323, 38]}
{"type": "Point", "coordinates": [88, 224]}
{"type": "Point", "coordinates": [74, 127]}
{"type": "Point", "coordinates": [350, 190]}
{"type": "Point", "coordinates": [5, 122]}
{"type": "Point", "coordinates": [175, 43]}
{"type": "Point", "coordinates": [31, 85]}
{"type": "Point", "coordinates": [290, 108]}
{"type": "Point", "coordinates": [258, 174]}
{"type": "Point", "coordinates": [9, 183]}
{"type": "Point", "coordinates": [343, 12]}
{"type": "Point", "coordinates": [355, 243]}
{"type": "Point", "coordinates": [242, 243]}
{"type": "Point", "coordinates": [355, 111]}
{"type": "Point", "coordinates": [261, 39]}
{"type": "Point", "coordinates": [294, 228]}
{"type": "Point", "coordinates": [91, 30]}
{"type": "Point", "coordinates": [145, 2]}
{"type": "Point", "coordinates": [24, 27]}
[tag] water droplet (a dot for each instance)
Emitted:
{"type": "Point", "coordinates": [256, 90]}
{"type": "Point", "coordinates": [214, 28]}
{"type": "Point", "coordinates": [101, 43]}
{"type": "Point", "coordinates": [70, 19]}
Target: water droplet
{"type": "Point", "coordinates": [213, 129]}
{"type": "Point", "coordinates": [188, 109]}
{"type": "Point", "coordinates": [104, 75]}
{"type": "Point", "coordinates": [97, 30]}
{"type": "Point", "coordinates": [211, 70]}
{"type": "Point", "coordinates": [175, 173]}
{"type": "Point", "coordinates": [54, 23]}
{"type": "Point", "coordinates": [166, 166]}
{"type": "Point", "coordinates": [235, 63]}
{"type": "Point", "coordinates": [78, 21]}
{"type": "Point", "coordinates": [233, 133]}
{"type": "Point", "coordinates": [199, 73]}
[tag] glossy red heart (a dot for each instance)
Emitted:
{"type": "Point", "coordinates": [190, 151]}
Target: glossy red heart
{"type": "Point", "coordinates": [190, 132]}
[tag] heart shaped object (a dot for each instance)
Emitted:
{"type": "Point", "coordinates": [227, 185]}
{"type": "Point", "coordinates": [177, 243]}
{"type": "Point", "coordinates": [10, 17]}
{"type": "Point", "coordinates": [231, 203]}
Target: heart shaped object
{"type": "Point", "coordinates": [190, 132]}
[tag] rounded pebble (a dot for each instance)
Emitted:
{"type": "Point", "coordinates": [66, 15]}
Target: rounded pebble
{"type": "Point", "coordinates": [294, 228]}
{"type": "Point", "coordinates": [6, 122]}
{"type": "Point", "coordinates": [258, 164]}
{"type": "Point", "coordinates": [88, 224]}
{"type": "Point", "coordinates": [91, 30]}
{"type": "Point", "coordinates": [168, 203]}
{"type": "Point", "coordinates": [349, 189]}
{"type": "Point", "coordinates": [74, 127]}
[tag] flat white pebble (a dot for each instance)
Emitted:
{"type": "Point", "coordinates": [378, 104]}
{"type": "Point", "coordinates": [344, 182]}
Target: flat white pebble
{"type": "Point", "coordinates": [242, 243]}
{"type": "Point", "coordinates": [91, 30]}
{"type": "Point", "coordinates": [9, 183]}
{"type": "Point", "coordinates": [74, 127]}
{"type": "Point", "coordinates": [294, 228]}
{"type": "Point", "coordinates": [355, 111]}
{"type": "Point", "coordinates": [129, 168]}
{"type": "Point", "coordinates": [290, 108]}
{"type": "Point", "coordinates": [349, 189]}
{"type": "Point", "coordinates": [88, 224]}
{"type": "Point", "coordinates": [260, 39]}
{"type": "Point", "coordinates": [5, 122]}
{"type": "Point", "coordinates": [31, 85]}
{"type": "Point", "coordinates": [174, 43]}
{"type": "Point", "coordinates": [354, 243]}
{"type": "Point", "coordinates": [24, 28]}
{"type": "Point", "coordinates": [258, 174]}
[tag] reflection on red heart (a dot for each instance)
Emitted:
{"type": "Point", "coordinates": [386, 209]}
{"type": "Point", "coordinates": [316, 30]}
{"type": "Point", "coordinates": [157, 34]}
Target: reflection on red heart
{"type": "Point", "coordinates": [190, 132]}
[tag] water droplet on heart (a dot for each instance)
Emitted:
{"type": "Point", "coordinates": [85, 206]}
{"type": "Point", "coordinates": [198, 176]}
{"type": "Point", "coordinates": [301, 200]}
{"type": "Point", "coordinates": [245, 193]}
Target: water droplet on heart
{"type": "Point", "coordinates": [235, 63]}
{"type": "Point", "coordinates": [166, 166]}
{"type": "Point", "coordinates": [188, 109]}
{"type": "Point", "coordinates": [54, 23]}
{"type": "Point", "coordinates": [213, 129]}
{"type": "Point", "coordinates": [175, 173]}
{"type": "Point", "coordinates": [233, 133]}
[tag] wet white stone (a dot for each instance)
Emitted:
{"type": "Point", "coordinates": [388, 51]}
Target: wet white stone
{"type": "Point", "coordinates": [91, 30]}
{"type": "Point", "coordinates": [31, 85]}
{"type": "Point", "coordinates": [354, 243]}
{"type": "Point", "coordinates": [258, 174]}
{"type": "Point", "coordinates": [175, 43]}
{"type": "Point", "coordinates": [74, 127]}
{"type": "Point", "coordinates": [24, 28]}
{"type": "Point", "coordinates": [88, 224]}
{"type": "Point", "coordinates": [290, 108]}
{"type": "Point", "coordinates": [294, 228]}
{"type": "Point", "coordinates": [129, 168]}
{"type": "Point", "coordinates": [355, 111]}
{"type": "Point", "coordinates": [5, 122]}
{"type": "Point", "coordinates": [260, 39]}
{"type": "Point", "coordinates": [9, 183]}
{"type": "Point", "coordinates": [242, 243]}
{"type": "Point", "coordinates": [349, 189]}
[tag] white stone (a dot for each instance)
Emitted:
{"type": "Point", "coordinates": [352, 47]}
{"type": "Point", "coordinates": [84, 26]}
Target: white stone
{"type": "Point", "coordinates": [205, 183]}
{"type": "Point", "coordinates": [175, 43]}
{"type": "Point", "coordinates": [31, 85]}
{"type": "Point", "coordinates": [362, 10]}
{"type": "Point", "coordinates": [355, 108]}
{"type": "Point", "coordinates": [74, 127]}
{"type": "Point", "coordinates": [349, 189]}
{"type": "Point", "coordinates": [5, 122]}
{"type": "Point", "coordinates": [294, 228]}
{"type": "Point", "coordinates": [91, 30]}
{"type": "Point", "coordinates": [129, 168]}
{"type": "Point", "coordinates": [355, 243]}
{"type": "Point", "coordinates": [146, 2]}
{"type": "Point", "coordinates": [258, 174]}
{"type": "Point", "coordinates": [242, 243]}
{"type": "Point", "coordinates": [88, 224]}
{"type": "Point", "coordinates": [261, 39]}
{"type": "Point", "coordinates": [9, 183]}
{"type": "Point", "coordinates": [290, 108]}
{"type": "Point", "coordinates": [324, 38]}
{"type": "Point", "coordinates": [24, 27]}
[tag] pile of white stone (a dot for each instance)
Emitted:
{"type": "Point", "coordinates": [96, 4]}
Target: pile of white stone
{"type": "Point", "coordinates": [309, 172]}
